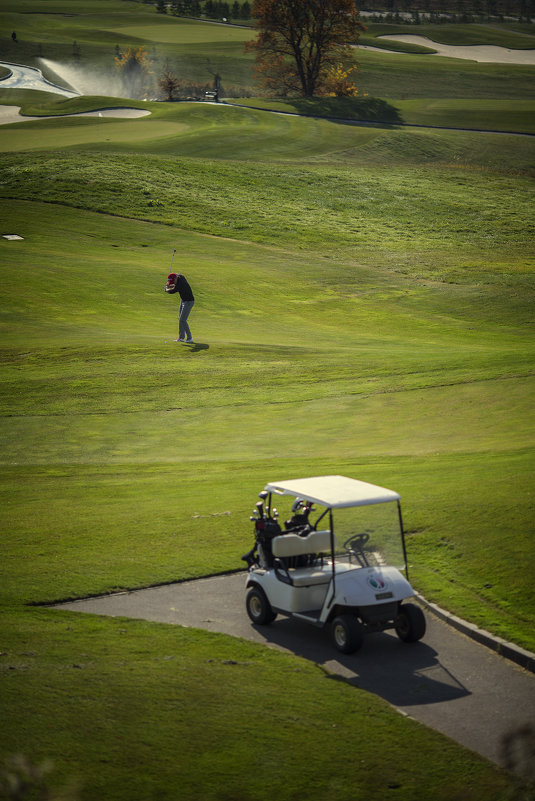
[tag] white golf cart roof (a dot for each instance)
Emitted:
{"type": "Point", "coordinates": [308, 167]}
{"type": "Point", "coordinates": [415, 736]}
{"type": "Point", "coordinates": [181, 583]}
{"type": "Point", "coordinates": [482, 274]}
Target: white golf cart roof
{"type": "Point", "coordinates": [336, 492]}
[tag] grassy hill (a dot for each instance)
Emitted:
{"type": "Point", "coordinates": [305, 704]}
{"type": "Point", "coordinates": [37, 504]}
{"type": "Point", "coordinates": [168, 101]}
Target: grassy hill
{"type": "Point", "coordinates": [363, 305]}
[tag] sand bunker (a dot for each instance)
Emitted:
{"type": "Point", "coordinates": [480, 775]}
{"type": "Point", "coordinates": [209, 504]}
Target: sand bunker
{"type": "Point", "coordinates": [10, 114]}
{"type": "Point", "coordinates": [481, 53]}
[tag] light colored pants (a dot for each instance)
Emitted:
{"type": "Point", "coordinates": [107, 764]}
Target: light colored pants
{"type": "Point", "coordinates": [183, 328]}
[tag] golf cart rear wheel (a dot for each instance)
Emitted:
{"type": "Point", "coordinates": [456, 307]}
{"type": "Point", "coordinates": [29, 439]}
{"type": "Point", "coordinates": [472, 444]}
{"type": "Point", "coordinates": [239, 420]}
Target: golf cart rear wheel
{"type": "Point", "coordinates": [259, 608]}
{"type": "Point", "coordinates": [410, 623]}
{"type": "Point", "coordinates": [347, 634]}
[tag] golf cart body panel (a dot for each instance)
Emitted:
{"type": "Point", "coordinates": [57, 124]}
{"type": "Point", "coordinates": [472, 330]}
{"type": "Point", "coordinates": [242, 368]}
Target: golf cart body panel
{"type": "Point", "coordinates": [365, 586]}
{"type": "Point", "coordinates": [288, 598]}
{"type": "Point", "coordinates": [351, 579]}
{"type": "Point", "coordinates": [311, 589]}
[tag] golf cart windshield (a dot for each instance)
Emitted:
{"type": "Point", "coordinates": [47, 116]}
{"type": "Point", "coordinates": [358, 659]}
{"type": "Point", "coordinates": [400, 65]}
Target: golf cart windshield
{"type": "Point", "coordinates": [371, 535]}
{"type": "Point", "coordinates": [366, 519]}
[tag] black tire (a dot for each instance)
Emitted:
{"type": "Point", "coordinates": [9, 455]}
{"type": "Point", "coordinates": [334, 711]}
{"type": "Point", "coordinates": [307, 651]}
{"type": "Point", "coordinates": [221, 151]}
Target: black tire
{"type": "Point", "coordinates": [410, 623]}
{"type": "Point", "coordinates": [258, 607]}
{"type": "Point", "coordinates": [347, 634]}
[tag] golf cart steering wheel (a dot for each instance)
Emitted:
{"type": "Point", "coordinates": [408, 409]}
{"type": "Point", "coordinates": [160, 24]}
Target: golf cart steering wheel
{"type": "Point", "coordinates": [356, 540]}
{"type": "Point", "coordinates": [355, 545]}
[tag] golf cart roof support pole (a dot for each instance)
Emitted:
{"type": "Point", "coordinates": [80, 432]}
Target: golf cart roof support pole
{"type": "Point", "coordinates": [331, 526]}
{"type": "Point", "coordinates": [322, 515]}
{"type": "Point", "coordinates": [403, 540]}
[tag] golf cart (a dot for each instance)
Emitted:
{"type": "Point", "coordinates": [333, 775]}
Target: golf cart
{"type": "Point", "coordinates": [345, 577]}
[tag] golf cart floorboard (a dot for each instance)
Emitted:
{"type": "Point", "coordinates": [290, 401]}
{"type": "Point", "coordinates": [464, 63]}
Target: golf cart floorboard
{"type": "Point", "coordinates": [312, 615]}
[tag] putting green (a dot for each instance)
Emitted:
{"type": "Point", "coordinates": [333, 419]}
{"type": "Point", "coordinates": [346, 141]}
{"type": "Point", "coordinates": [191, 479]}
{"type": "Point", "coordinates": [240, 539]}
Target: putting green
{"type": "Point", "coordinates": [76, 131]}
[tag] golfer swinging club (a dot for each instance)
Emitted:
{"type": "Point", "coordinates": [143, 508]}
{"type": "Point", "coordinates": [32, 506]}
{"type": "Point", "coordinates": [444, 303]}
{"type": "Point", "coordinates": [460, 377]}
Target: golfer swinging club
{"type": "Point", "coordinates": [178, 283]}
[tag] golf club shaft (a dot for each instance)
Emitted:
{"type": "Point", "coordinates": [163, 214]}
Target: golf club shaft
{"type": "Point", "coordinates": [172, 257]}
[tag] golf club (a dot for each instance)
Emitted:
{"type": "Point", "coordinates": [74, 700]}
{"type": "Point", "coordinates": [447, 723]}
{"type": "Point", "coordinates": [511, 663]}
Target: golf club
{"type": "Point", "coordinates": [172, 257]}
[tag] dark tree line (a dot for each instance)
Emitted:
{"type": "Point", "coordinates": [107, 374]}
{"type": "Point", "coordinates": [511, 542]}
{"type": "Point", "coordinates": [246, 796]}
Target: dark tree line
{"type": "Point", "coordinates": [208, 8]}
{"type": "Point", "coordinates": [522, 9]}
{"type": "Point", "coordinates": [235, 10]}
{"type": "Point", "coordinates": [462, 10]}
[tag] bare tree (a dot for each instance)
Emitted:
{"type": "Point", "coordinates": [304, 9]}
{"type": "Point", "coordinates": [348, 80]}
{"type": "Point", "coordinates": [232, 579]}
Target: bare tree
{"type": "Point", "coordinates": [168, 83]}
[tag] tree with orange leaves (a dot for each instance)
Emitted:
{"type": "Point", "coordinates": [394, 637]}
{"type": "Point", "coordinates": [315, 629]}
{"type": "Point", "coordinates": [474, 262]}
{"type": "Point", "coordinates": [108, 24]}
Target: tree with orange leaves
{"type": "Point", "coordinates": [299, 42]}
{"type": "Point", "coordinates": [337, 81]}
{"type": "Point", "coordinates": [134, 67]}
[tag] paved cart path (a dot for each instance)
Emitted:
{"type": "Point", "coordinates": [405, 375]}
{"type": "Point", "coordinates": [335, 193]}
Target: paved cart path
{"type": "Point", "coordinates": [446, 681]}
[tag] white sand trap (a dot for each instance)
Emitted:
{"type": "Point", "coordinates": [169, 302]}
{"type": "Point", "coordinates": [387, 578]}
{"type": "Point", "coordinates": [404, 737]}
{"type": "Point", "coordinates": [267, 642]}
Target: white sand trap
{"type": "Point", "coordinates": [9, 114]}
{"type": "Point", "coordinates": [481, 53]}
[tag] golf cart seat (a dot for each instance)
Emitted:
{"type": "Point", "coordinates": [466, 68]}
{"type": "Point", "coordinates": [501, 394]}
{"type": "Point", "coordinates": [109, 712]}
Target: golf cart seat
{"type": "Point", "coordinates": [288, 546]}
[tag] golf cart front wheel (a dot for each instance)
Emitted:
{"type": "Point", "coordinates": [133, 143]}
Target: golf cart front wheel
{"type": "Point", "coordinates": [410, 623]}
{"type": "Point", "coordinates": [258, 607]}
{"type": "Point", "coordinates": [347, 634]}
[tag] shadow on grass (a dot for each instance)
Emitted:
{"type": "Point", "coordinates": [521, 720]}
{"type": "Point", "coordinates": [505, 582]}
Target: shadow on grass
{"type": "Point", "coordinates": [195, 348]}
{"type": "Point", "coordinates": [366, 109]}
{"type": "Point", "coordinates": [198, 346]}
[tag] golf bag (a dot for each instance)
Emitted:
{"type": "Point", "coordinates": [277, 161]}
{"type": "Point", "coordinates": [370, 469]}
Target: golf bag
{"type": "Point", "coordinates": [266, 527]}
{"type": "Point", "coordinates": [261, 553]}
{"type": "Point", "coordinates": [298, 522]}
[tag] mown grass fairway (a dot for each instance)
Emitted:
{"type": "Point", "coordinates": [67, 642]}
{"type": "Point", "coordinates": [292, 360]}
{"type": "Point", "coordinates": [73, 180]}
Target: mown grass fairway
{"type": "Point", "coordinates": [363, 305]}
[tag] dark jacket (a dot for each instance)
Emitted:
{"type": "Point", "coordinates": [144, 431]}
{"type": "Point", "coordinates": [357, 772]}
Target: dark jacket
{"type": "Point", "coordinates": [184, 288]}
